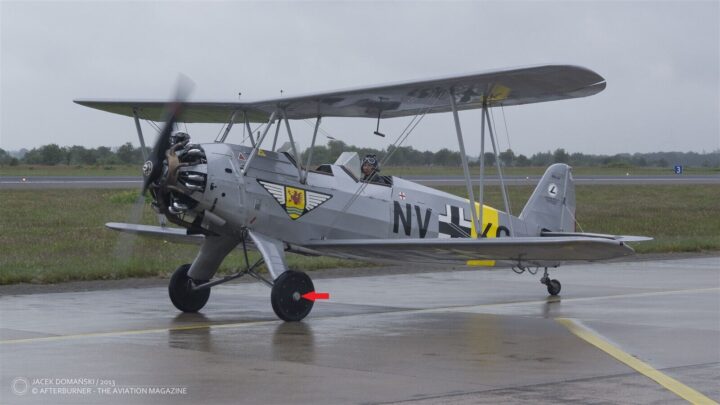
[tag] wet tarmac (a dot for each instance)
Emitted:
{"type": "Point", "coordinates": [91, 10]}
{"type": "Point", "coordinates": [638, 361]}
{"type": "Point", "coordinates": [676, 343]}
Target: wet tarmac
{"type": "Point", "coordinates": [435, 337]}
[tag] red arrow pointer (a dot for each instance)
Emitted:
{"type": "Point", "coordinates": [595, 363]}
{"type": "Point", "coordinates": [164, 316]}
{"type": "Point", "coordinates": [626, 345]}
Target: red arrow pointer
{"type": "Point", "coordinates": [312, 296]}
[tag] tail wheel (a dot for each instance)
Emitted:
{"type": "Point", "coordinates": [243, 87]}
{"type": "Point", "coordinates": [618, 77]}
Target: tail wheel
{"type": "Point", "coordinates": [286, 296]}
{"type": "Point", "coordinates": [553, 287]}
{"type": "Point", "coordinates": [182, 294]}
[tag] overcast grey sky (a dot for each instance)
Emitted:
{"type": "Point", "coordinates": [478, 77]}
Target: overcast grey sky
{"type": "Point", "coordinates": [660, 59]}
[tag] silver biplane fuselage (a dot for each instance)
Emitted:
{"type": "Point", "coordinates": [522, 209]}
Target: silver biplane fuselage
{"type": "Point", "coordinates": [217, 194]}
{"type": "Point", "coordinates": [347, 208]}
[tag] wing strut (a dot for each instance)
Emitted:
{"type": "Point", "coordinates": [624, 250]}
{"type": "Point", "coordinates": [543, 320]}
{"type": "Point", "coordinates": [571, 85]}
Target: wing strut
{"type": "Point", "coordinates": [277, 132]}
{"type": "Point", "coordinates": [292, 143]}
{"type": "Point", "coordinates": [247, 127]}
{"type": "Point", "coordinates": [259, 142]}
{"type": "Point", "coordinates": [499, 169]}
{"type": "Point", "coordinates": [310, 152]}
{"type": "Point", "coordinates": [140, 135]}
{"type": "Point", "coordinates": [227, 128]}
{"type": "Point", "coordinates": [482, 160]}
{"type": "Point", "coordinates": [466, 168]}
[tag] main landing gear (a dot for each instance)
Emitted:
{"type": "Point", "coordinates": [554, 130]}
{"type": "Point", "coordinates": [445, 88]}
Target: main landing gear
{"type": "Point", "coordinates": [183, 293]}
{"type": "Point", "coordinates": [286, 296]}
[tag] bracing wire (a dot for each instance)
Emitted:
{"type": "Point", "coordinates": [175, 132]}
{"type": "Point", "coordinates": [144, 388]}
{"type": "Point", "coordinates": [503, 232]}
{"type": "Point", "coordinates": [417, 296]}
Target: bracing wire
{"type": "Point", "coordinates": [402, 137]}
{"type": "Point", "coordinates": [410, 127]}
{"type": "Point", "coordinates": [244, 135]}
{"type": "Point", "coordinates": [321, 130]}
{"type": "Point", "coordinates": [152, 123]}
{"type": "Point", "coordinates": [222, 128]}
{"type": "Point", "coordinates": [575, 219]}
{"type": "Point", "coordinates": [398, 141]}
{"type": "Point", "coordinates": [507, 133]}
{"type": "Point", "coordinates": [499, 163]}
{"type": "Point", "coordinates": [497, 138]}
{"type": "Point", "coordinates": [253, 131]}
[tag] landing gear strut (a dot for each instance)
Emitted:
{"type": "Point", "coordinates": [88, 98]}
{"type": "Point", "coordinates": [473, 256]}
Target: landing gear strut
{"type": "Point", "coordinates": [288, 288]}
{"type": "Point", "coordinates": [553, 286]}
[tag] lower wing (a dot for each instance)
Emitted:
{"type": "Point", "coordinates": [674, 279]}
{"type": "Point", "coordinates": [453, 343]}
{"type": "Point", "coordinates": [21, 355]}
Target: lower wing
{"type": "Point", "coordinates": [178, 235]}
{"type": "Point", "coordinates": [541, 251]}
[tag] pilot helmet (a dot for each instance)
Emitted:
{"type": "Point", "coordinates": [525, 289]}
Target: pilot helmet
{"type": "Point", "coordinates": [179, 137]}
{"type": "Point", "coordinates": [372, 161]}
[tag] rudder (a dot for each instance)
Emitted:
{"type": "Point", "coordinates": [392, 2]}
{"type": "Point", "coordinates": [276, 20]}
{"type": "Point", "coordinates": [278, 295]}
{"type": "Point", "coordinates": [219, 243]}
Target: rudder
{"type": "Point", "coordinates": [552, 205]}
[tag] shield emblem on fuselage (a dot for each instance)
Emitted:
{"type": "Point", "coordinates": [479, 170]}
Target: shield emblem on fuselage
{"type": "Point", "coordinates": [295, 201]}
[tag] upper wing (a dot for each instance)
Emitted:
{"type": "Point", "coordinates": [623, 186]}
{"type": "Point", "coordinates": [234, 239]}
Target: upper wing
{"type": "Point", "coordinates": [502, 87]}
{"type": "Point", "coordinates": [526, 250]}
{"type": "Point", "coordinates": [201, 112]}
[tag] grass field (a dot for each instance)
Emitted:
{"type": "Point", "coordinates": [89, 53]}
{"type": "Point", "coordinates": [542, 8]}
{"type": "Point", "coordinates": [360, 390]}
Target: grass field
{"type": "Point", "coordinates": [539, 170]}
{"type": "Point", "coordinates": [134, 170]}
{"type": "Point", "coordinates": [58, 235]}
{"type": "Point", "coordinates": [681, 218]}
{"type": "Point", "coordinates": [65, 170]}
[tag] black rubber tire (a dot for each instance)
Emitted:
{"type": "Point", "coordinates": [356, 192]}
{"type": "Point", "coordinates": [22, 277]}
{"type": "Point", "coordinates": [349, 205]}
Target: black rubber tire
{"type": "Point", "coordinates": [286, 295]}
{"type": "Point", "coordinates": [553, 287]}
{"type": "Point", "coordinates": [182, 296]}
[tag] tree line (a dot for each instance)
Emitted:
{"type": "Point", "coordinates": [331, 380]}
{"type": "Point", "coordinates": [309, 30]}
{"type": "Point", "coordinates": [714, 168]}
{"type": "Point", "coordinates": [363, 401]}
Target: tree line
{"type": "Point", "coordinates": [54, 154]}
{"type": "Point", "coordinates": [408, 156]}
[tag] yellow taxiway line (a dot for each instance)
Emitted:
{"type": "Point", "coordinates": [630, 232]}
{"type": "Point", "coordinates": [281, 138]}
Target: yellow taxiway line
{"type": "Point", "coordinates": [135, 332]}
{"type": "Point", "coordinates": [673, 385]}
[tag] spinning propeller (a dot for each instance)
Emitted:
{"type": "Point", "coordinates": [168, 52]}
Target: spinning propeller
{"type": "Point", "coordinates": [152, 169]}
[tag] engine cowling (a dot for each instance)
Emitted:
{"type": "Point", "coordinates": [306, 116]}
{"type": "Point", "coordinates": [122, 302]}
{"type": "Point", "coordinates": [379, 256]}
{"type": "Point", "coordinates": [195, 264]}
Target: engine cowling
{"type": "Point", "coordinates": [176, 193]}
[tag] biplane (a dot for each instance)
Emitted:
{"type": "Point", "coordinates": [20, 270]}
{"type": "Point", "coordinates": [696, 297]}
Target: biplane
{"type": "Point", "coordinates": [257, 196]}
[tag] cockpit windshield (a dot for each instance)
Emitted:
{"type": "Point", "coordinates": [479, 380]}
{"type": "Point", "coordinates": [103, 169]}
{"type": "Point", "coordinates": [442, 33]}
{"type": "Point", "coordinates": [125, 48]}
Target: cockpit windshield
{"type": "Point", "coordinates": [351, 162]}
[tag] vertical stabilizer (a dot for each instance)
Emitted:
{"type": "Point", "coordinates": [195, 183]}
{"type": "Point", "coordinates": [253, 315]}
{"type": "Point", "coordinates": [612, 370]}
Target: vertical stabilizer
{"type": "Point", "coordinates": [552, 204]}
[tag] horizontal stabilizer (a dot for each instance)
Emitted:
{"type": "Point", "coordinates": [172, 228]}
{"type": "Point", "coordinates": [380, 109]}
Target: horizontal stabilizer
{"type": "Point", "coordinates": [525, 250]}
{"type": "Point", "coordinates": [178, 235]}
{"type": "Point", "coordinates": [621, 238]}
